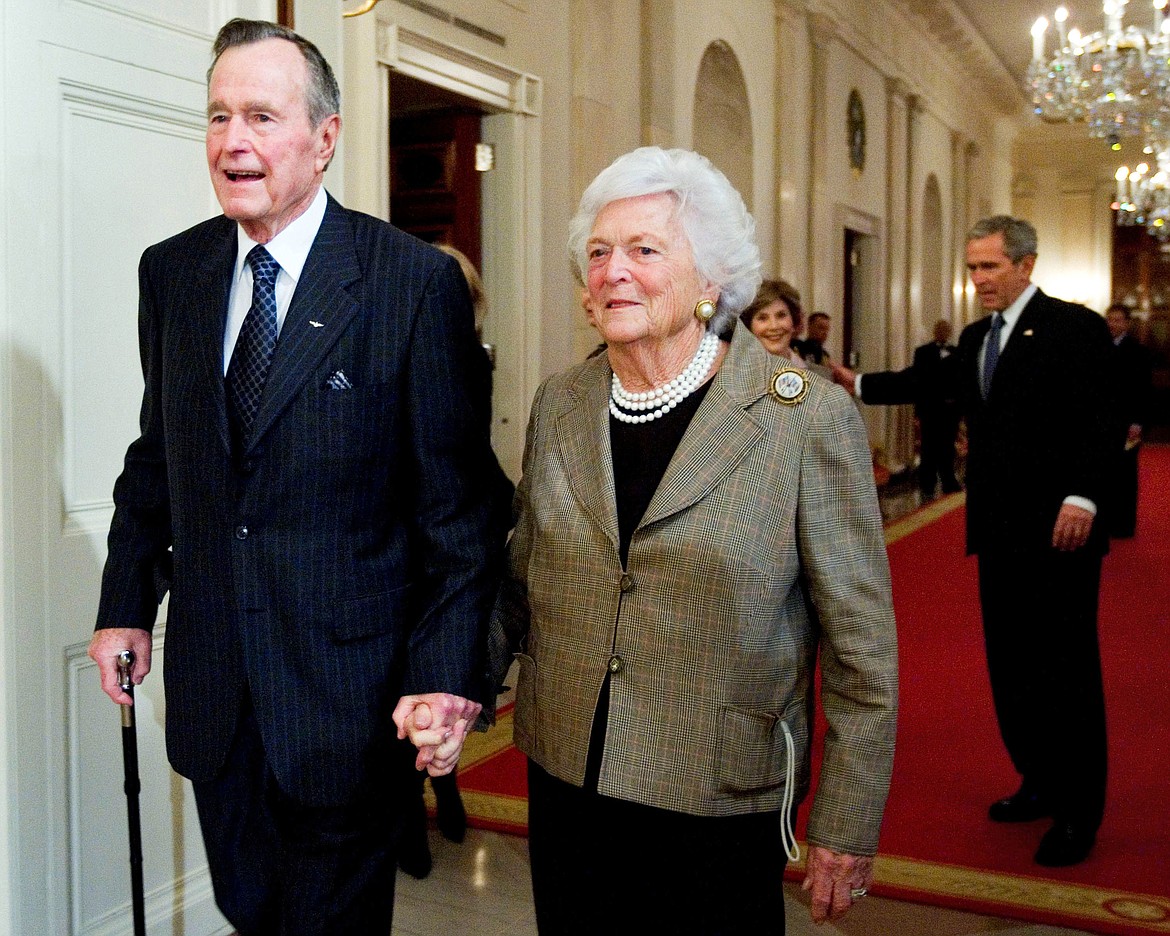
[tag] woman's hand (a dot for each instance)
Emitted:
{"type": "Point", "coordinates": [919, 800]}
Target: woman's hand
{"type": "Point", "coordinates": [835, 881]}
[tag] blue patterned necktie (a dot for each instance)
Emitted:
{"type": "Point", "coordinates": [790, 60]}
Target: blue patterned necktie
{"type": "Point", "coordinates": [249, 364]}
{"type": "Point", "coordinates": [991, 352]}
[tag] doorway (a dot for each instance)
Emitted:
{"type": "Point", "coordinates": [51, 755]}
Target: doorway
{"type": "Point", "coordinates": [1141, 272]}
{"type": "Point", "coordinates": [435, 191]}
{"type": "Point", "coordinates": [850, 283]}
{"type": "Point", "coordinates": [462, 137]}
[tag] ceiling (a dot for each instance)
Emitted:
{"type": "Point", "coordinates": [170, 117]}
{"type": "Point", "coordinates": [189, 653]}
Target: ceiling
{"type": "Point", "coordinates": [1001, 49]}
{"type": "Point", "coordinates": [1005, 25]}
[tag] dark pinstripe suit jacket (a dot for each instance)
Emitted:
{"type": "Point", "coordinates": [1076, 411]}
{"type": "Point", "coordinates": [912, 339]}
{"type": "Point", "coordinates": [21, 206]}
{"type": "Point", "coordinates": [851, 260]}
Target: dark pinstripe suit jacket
{"type": "Point", "coordinates": [350, 553]}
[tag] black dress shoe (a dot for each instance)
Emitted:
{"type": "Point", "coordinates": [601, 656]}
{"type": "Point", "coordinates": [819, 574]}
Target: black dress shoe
{"type": "Point", "coordinates": [1022, 806]}
{"type": "Point", "coordinates": [1066, 843]}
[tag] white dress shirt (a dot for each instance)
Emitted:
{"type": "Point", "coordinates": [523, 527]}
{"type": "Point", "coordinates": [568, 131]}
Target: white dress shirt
{"type": "Point", "coordinates": [290, 248]}
{"type": "Point", "coordinates": [1010, 316]}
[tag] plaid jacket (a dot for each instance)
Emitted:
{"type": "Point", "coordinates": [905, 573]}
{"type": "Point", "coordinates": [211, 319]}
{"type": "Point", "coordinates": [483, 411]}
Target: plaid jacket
{"type": "Point", "coordinates": [762, 544]}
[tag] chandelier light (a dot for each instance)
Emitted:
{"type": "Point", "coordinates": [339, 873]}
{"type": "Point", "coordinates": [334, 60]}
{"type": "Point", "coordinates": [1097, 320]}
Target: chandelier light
{"type": "Point", "coordinates": [1143, 197]}
{"type": "Point", "coordinates": [1117, 80]}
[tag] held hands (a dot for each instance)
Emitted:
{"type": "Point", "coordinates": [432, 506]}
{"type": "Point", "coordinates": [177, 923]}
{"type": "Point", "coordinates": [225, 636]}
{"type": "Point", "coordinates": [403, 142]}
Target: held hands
{"type": "Point", "coordinates": [1072, 528]}
{"type": "Point", "coordinates": [835, 881]}
{"type": "Point", "coordinates": [436, 723]}
{"type": "Point", "coordinates": [104, 649]}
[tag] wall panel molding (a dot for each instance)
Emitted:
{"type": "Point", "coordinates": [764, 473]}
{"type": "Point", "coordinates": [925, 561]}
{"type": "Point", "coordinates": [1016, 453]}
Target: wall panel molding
{"type": "Point", "coordinates": [99, 124]}
{"type": "Point", "coordinates": [177, 883]}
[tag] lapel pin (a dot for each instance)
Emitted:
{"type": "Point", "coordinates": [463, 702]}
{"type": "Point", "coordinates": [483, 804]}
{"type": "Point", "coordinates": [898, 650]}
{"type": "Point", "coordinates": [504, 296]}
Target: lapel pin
{"type": "Point", "coordinates": [789, 386]}
{"type": "Point", "coordinates": [1027, 333]}
{"type": "Point", "coordinates": [316, 324]}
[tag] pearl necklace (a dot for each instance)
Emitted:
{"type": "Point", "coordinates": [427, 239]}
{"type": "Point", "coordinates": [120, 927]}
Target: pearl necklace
{"type": "Point", "coordinates": [665, 398]}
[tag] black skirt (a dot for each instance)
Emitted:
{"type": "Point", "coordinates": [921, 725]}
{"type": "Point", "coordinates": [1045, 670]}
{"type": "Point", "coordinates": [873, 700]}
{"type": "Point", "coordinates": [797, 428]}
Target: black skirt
{"type": "Point", "coordinates": [605, 865]}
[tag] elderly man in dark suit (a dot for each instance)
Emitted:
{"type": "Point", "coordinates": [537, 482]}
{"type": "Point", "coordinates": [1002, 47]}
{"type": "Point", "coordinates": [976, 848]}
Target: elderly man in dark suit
{"type": "Point", "coordinates": [1035, 390]}
{"type": "Point", "coordinates": [314, 487]}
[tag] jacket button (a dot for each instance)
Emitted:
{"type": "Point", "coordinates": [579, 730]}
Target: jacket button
{"type": "Point", "coordinates": [242, 532]}
{"type": "Point", "coordinates": [616, 664]}
{"type": "Point", "coordinates": [627, 582]}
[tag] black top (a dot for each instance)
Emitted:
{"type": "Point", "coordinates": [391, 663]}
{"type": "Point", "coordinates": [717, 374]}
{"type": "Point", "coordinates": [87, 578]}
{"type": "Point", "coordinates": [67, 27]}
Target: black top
{"type": "Point", "coordinates": [641, 454]}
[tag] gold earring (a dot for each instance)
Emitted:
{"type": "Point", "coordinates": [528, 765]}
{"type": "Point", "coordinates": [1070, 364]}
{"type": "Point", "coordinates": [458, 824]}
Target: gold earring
{"type": "Point", "coordinates": [704, 310]}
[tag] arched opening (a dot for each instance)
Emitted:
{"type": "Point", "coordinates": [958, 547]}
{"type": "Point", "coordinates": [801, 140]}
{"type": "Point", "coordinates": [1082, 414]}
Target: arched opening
{"type": "Point", "coordinates": [722, 118]}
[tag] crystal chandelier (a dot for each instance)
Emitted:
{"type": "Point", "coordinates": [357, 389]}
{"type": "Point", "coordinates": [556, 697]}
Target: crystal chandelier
{"type": "Point", "coordinates": [1143, 197]}
{"type": "Point", "coordinates": [1116, 80]}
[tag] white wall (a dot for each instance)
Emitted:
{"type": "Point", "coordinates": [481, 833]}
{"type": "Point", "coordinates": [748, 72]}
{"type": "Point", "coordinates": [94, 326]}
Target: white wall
{"type": "Point", "coordinates": [1064, 184]}
{"type": "Point", "coordinates": [111, 104]}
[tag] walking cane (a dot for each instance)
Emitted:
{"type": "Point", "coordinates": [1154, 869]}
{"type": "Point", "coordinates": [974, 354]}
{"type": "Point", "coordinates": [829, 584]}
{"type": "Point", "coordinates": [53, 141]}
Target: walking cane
{"type": "Point", "coordinates": [132, 786]}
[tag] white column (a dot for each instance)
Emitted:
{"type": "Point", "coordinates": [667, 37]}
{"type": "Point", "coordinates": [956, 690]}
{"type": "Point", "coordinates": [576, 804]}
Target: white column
{"type": "Point", "coordinates": [794, 130]}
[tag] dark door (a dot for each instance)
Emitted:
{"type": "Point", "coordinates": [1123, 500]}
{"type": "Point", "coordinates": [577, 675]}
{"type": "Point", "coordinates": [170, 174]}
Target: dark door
{"type": "Point", "coordinates": [434, 185]}
{"type": "Point", "coordinates": [849, 293]}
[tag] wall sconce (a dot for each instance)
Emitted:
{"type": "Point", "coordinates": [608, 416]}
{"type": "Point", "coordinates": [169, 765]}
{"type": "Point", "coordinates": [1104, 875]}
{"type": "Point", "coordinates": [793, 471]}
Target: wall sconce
{"type": "Point", "coordinates": [485, 157]}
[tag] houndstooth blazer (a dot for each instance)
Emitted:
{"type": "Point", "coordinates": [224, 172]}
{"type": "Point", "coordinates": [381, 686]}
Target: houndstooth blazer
{"type": "Point", "coordinates": [762, 543]}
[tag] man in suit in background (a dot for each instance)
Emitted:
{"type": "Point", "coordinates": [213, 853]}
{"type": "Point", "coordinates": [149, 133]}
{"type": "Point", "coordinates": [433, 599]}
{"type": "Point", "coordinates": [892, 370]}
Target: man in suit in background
{"type": "Point", "coordinates": [314, 486]}
{"type": "Point", "coordinates": [1134, 371]}
{"type": "Point", "coordinates": [1034, 386]}
{"type": "Point", "coordinates": [936, 406]}
{"type": "Point", "coordinates": [812, 346]}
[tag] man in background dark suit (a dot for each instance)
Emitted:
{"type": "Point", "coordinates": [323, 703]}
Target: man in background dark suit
{"type": "Point", "coordinates": [1134, 373]}
{"type": "Point", "coordinates": [936, 406]}
{"type": "Point", "coordinates": [321, 505]}
{"type": "Point", "coordinates": [931, 382]}
{"type": "Point", "coordinates": [1035, 390]}
{"type": "Point", "coordinates": [812, 346]}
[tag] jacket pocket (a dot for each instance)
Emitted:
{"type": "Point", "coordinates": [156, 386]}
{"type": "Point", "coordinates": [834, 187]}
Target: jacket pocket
{"type": "Point", "coordinates": [751, 755]}
{"type": "Point", "coordinates": [369, 615]}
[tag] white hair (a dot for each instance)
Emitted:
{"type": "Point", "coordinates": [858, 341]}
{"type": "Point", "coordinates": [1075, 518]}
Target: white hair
{"type": "Point", "coordinates": [714, 218]}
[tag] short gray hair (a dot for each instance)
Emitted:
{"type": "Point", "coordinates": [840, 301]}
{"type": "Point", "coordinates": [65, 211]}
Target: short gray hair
{"type": "Point", "coordinates": [1019, 237]}
{"type": "Point", "coordinates": [322, 96]}
{"type": "Point", "coordinates": [714, 218]}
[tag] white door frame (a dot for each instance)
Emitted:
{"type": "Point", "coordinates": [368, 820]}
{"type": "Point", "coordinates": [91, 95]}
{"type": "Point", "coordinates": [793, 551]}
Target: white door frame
{"type": "Point", "coordinates": [512, 100]}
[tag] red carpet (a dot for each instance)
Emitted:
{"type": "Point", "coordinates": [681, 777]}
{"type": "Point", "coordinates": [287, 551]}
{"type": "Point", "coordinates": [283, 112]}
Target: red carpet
{"type": "Point", "coordinates": [937, 845]}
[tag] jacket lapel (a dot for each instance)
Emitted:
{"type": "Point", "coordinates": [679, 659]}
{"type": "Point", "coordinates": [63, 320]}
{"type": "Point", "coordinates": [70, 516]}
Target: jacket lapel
{"type": "Point", "coordinates": [721, 433]}
{"type": "Point", "coordinates": [208, 312]}
{"type": "Point", "coordinates": [583, 440]}
{"type": "Point", "coordinates": [321, 310]}
{"type": "Point", "coordinates": [1030, 321]}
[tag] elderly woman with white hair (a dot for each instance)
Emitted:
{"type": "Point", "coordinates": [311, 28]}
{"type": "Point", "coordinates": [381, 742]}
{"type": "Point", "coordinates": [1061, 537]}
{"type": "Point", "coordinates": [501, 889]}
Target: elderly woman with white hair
{"type": "Point", "coordinates": [694, 525]}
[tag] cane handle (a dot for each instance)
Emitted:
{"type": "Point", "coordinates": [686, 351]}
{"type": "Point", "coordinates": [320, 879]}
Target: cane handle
{"type": "Point", "coordinates": [125, 665]}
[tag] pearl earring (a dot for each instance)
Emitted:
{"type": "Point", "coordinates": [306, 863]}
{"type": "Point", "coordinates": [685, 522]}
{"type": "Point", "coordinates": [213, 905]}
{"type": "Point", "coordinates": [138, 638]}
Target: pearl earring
{"type": "Point", "coordinates": [704, 310]}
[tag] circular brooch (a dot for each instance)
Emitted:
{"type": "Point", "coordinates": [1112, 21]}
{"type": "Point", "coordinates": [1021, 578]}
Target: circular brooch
{"type": "Point", "coordinates": [789, 386]}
